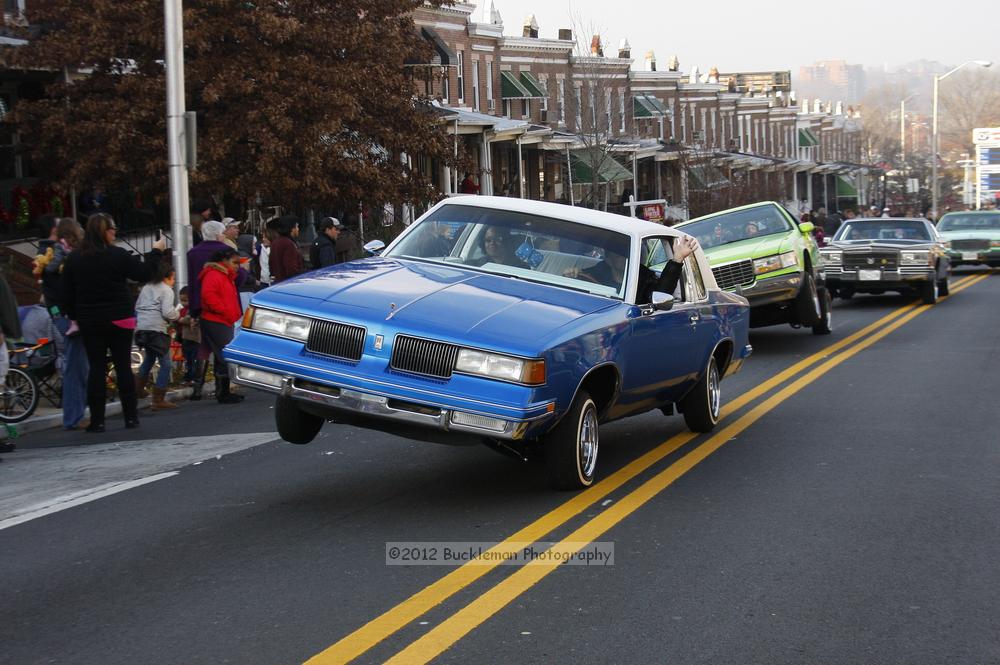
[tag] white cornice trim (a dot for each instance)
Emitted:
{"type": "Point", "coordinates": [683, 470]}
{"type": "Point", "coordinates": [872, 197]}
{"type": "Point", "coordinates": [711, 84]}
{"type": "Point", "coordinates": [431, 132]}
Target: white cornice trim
{"type": "Point", "coordinates": [485, 30]}
{"type": "Point", "coordinates": [534, 44]}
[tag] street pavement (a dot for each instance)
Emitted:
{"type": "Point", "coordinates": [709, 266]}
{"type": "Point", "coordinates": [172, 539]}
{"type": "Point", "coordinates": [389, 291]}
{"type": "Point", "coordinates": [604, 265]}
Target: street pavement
{"type": "Point", "coordinates": [845, 511]}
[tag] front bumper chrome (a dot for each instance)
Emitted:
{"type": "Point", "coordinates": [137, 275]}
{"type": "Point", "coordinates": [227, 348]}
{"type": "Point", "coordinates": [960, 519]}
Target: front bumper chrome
{"type": "Point", "coordinates": [356, 404]}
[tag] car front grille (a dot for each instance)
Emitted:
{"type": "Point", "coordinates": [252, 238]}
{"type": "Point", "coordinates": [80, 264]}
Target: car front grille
{"type": "Point", "coordinates": [871, 261]}
{"type": "Point", "coordinates": [972, 245]}
{"type": "Point", "coordinates": [731, 275]}
{"type": "Point", "coordinates": [423, 356]}
{"type": "Point", "coordinates": [339, 340]}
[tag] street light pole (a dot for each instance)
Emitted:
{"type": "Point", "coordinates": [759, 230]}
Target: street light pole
{"type": "Point", "coordinates": [177, 164]}
{"type": "Point", "coordinates": [934, 133]}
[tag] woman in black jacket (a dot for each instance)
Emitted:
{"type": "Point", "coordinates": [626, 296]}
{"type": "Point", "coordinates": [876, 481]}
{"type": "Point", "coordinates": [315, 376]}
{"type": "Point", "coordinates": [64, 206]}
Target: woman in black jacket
{"type": "Point", "coordinates": [97, 296]}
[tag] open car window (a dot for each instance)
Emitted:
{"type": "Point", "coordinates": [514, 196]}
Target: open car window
{"type": "Point", "coordinates": [655, 253]}
{"type": "Point", "coordinates": [532, 247]}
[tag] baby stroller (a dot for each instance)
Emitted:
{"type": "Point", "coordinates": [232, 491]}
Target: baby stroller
{"type": "Point", "coordinates": [32, 376]}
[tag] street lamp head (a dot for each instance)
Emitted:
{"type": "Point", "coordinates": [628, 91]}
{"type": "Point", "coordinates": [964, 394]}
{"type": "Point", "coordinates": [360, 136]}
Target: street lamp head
{"type": "Point", "coordinates": [983, 63]}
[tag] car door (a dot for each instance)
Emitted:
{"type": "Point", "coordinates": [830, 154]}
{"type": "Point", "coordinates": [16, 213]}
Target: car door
{"type": "Point", "coordinates": [665, 347]}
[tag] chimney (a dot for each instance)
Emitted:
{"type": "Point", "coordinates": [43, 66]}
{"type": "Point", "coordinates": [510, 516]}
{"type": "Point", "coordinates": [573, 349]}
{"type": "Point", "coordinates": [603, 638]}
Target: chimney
{"type": "Point", "coordinates": [674, 64]}
{"type": "Point", "coordinates": [565, 35]}
{"type": "Point", "coordinates": [713, 75]}
{"type": "Point", "coordinates": [596, 49]}
{"type": "Point", "coordinates": [530, 27]}
{"type": "Point", "coordinates": [624, 49]}
{"type": "Point", "coordinates": [804, 108]}
{"type": "Point", "coordinates": [650, 61]}
{"type": "Point", "coordinates": [817, 106]}
{"type": "Point", "coordinates": [840, 108]}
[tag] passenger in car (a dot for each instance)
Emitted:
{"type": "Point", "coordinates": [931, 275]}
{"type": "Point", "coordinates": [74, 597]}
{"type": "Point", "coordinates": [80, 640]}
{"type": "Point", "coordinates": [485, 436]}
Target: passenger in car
{"type": "Point", "coordinates": [497, 248]}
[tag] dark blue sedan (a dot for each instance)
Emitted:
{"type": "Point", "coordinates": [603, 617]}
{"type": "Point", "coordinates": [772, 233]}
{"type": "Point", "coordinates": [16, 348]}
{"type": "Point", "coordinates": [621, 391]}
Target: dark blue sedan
{"type": "Point", "coordinates": [500, 320]}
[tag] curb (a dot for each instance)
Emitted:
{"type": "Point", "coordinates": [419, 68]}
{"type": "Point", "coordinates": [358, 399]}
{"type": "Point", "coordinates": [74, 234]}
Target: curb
{"type": "Point", "coordinates": [54, 420]}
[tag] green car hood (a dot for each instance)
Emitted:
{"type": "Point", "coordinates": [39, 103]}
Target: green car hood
{"type": "Point", "coordinates": [981, 234]}
{"type": "Point", "coordinates": [753, 248]}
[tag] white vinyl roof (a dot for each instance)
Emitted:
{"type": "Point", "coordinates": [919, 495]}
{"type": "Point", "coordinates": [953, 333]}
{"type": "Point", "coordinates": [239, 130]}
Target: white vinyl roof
{"type": "Point", "coordinates": [637, 228]}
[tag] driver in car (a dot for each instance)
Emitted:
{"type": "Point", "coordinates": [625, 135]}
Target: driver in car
{"type": "Point", "coordinates": [611, 271]}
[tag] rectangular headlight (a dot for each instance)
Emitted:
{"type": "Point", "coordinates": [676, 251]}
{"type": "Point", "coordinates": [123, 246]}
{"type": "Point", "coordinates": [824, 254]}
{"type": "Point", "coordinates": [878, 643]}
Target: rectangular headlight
{"type": "Point", "coordinates": [279, 323]}
{"type": "Point", "coordinates": [499, 366]}
{"type": "Point", "coordinates": [776, 262]}
{"type": "Point", "coordinates": [914, 258]}
{"type": "Point", "coordinates": [833, 258]}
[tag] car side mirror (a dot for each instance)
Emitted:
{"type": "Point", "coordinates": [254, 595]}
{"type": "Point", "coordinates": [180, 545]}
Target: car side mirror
{"type": "Point", "coordinates": [374, 247]}
{"type": "Point", "coordinates": [807, 227]}
{"type": "Point", "coordinates": [662, 302]}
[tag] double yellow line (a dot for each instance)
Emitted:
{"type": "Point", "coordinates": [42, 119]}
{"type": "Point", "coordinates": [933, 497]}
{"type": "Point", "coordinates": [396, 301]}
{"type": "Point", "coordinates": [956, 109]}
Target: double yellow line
{"type": "Point", "coordinates": [438, 639]}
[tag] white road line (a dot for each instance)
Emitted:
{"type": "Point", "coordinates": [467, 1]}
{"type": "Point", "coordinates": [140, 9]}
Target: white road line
{"type": "Point", "coordinates": [80, 498]}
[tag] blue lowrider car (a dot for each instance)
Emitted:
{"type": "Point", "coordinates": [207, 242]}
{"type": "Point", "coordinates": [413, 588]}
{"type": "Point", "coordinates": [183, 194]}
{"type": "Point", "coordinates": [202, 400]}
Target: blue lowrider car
{"type": "Point", "coordinates": [508, 321]}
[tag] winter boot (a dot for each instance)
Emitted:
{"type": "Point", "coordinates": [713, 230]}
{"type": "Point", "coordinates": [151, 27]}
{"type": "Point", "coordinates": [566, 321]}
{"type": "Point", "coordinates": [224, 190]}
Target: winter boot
{"type": "Point", "coordinates": [200, 369]}
{"type": "Point", "coordinates": [222, 393]}
{"type": "Point", "coordinates": [140, 386]}
{"type": "Point", "coordinates": [160, 402]}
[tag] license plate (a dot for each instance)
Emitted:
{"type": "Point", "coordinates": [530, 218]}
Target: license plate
{"type": "Point", "coordinates": [869, 275]}
{"type": "Point", "coordinates": [970, 256]}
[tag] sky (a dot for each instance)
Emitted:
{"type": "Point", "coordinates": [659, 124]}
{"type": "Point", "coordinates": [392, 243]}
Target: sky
{"type": "Point", "coordinates": [751, 35]}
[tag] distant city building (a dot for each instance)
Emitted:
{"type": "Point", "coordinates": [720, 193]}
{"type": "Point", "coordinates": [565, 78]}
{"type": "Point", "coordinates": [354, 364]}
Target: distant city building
{"type": "Point", "coordinates": [832, 79]}
{"type": "Point", "coordinates": [758, 82]}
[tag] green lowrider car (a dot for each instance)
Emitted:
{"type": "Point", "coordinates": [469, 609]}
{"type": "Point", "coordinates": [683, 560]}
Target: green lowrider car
{"type": "Point", "coordinates": [761, 252]}
{"type": "Point", "coordinates": [972, 237]}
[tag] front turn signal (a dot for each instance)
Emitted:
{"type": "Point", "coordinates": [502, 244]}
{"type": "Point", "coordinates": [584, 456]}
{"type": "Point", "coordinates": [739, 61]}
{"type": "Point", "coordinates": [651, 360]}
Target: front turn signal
{"type": "Point", "coordinates": [534, 372]}
{"type": "Point", "coordinates": [248, 318]}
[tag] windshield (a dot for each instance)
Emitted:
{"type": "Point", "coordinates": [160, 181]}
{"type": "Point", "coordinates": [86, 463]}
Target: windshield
{"type": "Point", "coordinates": [738, 225]}
{"type": "Point", "coordinates": [888, 229]}
{"type": "Point", "coordinates": [960, 222]}
{"type": "Point", "coordinates": [541, 249]}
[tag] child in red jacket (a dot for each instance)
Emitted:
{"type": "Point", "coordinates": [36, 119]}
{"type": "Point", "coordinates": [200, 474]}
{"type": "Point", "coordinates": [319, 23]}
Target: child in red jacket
{"type": "Point", "coordinates": [220, 309]}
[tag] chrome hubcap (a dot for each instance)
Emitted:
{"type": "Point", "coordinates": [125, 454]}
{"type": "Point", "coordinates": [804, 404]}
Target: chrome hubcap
{"type": "Point", "coordinates": [588, 442]}
{"type": "Point", "coordinates": [714, 391]}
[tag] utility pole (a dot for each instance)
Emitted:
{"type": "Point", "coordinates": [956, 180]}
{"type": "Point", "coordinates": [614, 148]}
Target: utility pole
{"type": "Point", "coordinates": [180, 220]}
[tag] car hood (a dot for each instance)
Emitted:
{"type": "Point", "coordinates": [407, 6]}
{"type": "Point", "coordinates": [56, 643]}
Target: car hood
{"type": "Point", "coordinates": [980, 234]}
{"type": "Point", "coordinates": [754, 248]}
{"type": "Point", "coordinates": [438, 301]}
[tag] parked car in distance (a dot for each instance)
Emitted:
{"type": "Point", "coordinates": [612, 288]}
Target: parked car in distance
{"type": "Point", "coordinates": [763, 253]}
{"type": "Point", "coordinates": [887, 254]}
{"type": "Point", "coordinates": [971, 237]}
{"type": "Point", "coordinates": [517, 323]}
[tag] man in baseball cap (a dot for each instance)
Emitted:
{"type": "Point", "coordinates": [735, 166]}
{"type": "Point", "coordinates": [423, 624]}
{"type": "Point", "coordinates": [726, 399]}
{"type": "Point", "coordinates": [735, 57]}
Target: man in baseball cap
{"type": "Point", "coordinates": [323, 252]}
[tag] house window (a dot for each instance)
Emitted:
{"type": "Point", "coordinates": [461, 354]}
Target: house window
{"type": "Point", "coordinates": [607, 111]}
{"type": "Point", "coordinates": [593, 108]}
{"type": "Point", "coordinates": [475, 85]}
{"type": "Point", "coordinates": [621, 110]}
{"type": "Point", "coordinates": [461, 77]}
{"type": "Point", "coordinates": [446, 84]}
{"type": "Point", "coordinates": [506, 108]}
{"type": "Point", "coordinates": [544, 104]}
{"type": "Point", "coordinates": [490, 104]}
{"type": "Point", "coordinates": [525, 108]}
{"type": "Point", "coordinates": [579, 110]}
{"type": "Point", "coordinates": [684, 127]}
{"type": "Point", "coordinates": [562, 102]}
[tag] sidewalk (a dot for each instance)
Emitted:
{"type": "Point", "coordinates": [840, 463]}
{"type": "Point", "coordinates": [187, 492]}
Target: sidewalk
{"type": "Point", "coordinates": [49, 417]}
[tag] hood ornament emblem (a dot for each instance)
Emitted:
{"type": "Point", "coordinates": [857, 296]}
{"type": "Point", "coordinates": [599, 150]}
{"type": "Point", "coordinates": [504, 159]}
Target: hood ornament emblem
{"type": "Point", "coordinates": [379, 339]}
{"type": "Point", "coordinates": [871, 261]}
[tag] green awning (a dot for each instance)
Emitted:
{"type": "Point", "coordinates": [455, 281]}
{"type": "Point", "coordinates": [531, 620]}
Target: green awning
{"type": "Point", "coordinates": [608, 168]}
{"type": "Point", "coordinates": [647, 106]}
{"type": "Point", "coordinates": [511, 88]}
{"type": "Point", "coordinates": [705, 176]}
{"type": "Point", "coordinates": [532, 85]}
{"type": "Point", "coordinates": [846, 188]}
{"type": "Point", "coordinates": [807, 139]}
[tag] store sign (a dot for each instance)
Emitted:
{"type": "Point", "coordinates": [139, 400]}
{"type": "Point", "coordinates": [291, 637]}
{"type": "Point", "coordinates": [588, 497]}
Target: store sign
{"type": "Point", "coordinates": [654, 212]}
{"type": "Point", "coordinates": [987, 140]}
